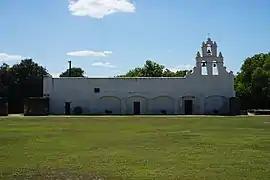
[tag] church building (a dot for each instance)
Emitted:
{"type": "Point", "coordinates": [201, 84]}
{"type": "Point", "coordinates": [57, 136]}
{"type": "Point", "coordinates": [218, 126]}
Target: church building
{"type": "Point", "coordinates": [206, 90]}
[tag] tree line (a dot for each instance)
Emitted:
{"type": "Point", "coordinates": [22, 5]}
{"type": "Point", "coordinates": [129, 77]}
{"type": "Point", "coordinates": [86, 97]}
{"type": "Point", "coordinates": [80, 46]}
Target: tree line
{"type": "Point", "coordinates": [22, 80]}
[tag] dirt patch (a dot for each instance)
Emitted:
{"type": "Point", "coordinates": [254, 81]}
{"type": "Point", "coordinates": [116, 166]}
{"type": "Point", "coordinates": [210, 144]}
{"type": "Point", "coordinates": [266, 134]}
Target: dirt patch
{"type": "Point", "coordinates": [49, 174]}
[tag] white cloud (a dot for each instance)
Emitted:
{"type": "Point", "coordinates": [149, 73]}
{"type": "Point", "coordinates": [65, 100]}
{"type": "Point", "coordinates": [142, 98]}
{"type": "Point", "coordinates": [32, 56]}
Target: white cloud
{"type": "Point", "coordinates": [104, 64]}
{"type": "Point", "coordinates": [89, 53]}
{"type": "Point", "coordinates": [181, 67]}
{"type": "Point", "coordinates": [9, 57]}
{"type": "Point", "coordinates": [99, 8]}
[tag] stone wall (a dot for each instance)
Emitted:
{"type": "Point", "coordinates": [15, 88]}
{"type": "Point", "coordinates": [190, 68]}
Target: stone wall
{"type": "Point", "coordinates": [36, 106]}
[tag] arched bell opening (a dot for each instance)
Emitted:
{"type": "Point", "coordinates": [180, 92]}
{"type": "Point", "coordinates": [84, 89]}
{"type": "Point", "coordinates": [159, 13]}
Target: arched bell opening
{"type": "Point", "coordinates": [204, 68]}
{"type": "Point", "coordinates": [209, 49]}
{"type": "Point", "coordinates": [215, 68]}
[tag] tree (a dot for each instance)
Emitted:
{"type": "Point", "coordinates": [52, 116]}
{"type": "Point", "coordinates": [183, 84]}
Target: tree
{"type": "Point", "coordinates": [252, 83]}
{"type": "Point", "coordinates": [75, 72]}
{"type": "Point", "coordinates": [4, 79]}
{"type": "Point", "coordinates": [24, 80]}
{"type": "Point", "coordinates": [153, 69]}
{"type": "Point", "coordinates": [168, 73]}
{"type": "Point", "coordinates": [182, 73]}
{"type": "Point", "coordinates": [137, 72]}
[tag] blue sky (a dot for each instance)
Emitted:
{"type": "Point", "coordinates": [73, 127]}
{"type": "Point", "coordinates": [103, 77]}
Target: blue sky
{"type": "Point", "coordinates": [109, 37]}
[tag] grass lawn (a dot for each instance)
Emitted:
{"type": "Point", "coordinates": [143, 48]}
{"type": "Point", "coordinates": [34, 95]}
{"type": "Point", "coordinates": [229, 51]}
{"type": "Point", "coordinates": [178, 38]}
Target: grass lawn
{"type": "Point", "coordinates": [135, 148]}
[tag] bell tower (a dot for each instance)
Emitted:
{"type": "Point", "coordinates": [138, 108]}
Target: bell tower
{"type": "Point", "coordinates": [209, 63]}
{"type": "Point", "coordinates": [209, 48]}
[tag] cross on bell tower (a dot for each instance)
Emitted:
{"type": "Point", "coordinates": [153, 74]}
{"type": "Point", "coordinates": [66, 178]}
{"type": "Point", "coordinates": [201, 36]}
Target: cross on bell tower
{"type": "Point", "coordinates": [208, 35]}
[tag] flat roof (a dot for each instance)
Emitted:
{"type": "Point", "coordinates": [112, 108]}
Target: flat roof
{"type": "Point", "coordinates": [118, 77]}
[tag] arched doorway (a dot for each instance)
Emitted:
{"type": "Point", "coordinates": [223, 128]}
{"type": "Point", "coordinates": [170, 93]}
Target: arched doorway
{"type": "Point", "coordinates": [216, 105]}
{"type": "Point", "coordinates": [110, 105]}
{"type": "Point", "coordinates": [161, 105]}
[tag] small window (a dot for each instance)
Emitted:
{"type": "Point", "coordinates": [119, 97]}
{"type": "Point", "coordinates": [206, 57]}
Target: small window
{"type": "Point", "coordinates": [96, 90]}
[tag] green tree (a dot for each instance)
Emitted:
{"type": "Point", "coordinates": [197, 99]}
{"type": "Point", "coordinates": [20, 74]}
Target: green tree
{"type": "Point", "coordinates": [153, 69]}
{"type": "Point", "coordinates": [168, 73]}
{"type": "Point", "coordinates": [252, 83]}
{"type": "Point", "coordinates": [75, 72]}
{"type": "Point", "coordinates": [137, 72]}
{"type": "Point", "coordinates": [25, 80]}
{"type": "Point", "coordinates": [4, 79]}
{"type": "Point", "coordinates": [182, 73]}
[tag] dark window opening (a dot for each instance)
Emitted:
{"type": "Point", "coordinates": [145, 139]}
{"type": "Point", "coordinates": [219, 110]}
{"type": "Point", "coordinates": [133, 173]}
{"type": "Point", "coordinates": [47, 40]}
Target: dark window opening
{"type": "Point", "coordinates": [96, 90]}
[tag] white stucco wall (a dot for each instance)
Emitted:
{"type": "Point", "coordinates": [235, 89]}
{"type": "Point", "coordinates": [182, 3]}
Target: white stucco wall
{"type": "Point", "coordinates": [159, 103]}
{"type": "Point", "coordinates": [119, 94]}
{"type": "Point", "coordinates": [110, 103]}
{"type": "Point", "coordinates": [154, 94]}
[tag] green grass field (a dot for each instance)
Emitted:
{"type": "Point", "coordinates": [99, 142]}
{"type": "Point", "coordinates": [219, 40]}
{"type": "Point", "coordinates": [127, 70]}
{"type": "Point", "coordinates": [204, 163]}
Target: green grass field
{"type": "Point", "coordinates": [135, 148]}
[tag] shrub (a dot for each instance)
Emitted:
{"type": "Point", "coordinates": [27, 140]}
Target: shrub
{"type": "Point", "coordinates": [108, 111]}
{"type": "Point", "coordinates": [77, 110]}
{"type": "Point", "coordinates": [163, 111]}
{"type": "Point", "coordinates": [215, 111]}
